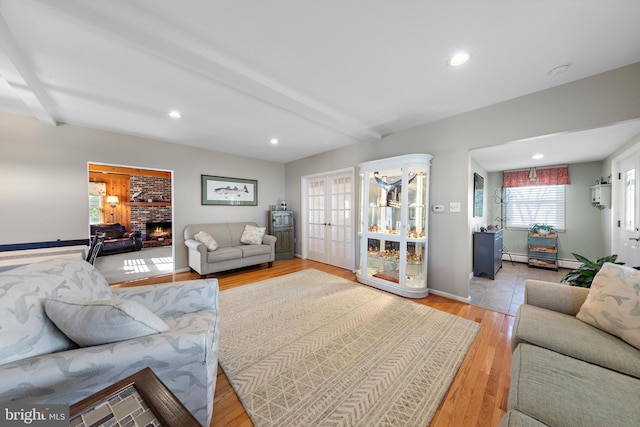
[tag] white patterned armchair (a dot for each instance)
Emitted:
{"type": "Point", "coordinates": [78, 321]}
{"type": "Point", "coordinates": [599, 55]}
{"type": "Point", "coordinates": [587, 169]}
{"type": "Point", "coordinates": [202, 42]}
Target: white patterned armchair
{"type": "Point", "coordinates": [40, 364]}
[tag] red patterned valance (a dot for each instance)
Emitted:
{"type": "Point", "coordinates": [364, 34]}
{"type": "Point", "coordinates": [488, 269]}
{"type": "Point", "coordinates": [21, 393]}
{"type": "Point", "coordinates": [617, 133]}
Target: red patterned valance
{"type": "Point", "coordinates": [536, 176]}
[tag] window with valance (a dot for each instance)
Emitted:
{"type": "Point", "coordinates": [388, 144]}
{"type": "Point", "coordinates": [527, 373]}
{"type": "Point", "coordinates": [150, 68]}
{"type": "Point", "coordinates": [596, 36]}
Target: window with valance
{"type": "Point", "coordinates": [536, 176]}
{"type": "Point", "coordinates": [536, 195]}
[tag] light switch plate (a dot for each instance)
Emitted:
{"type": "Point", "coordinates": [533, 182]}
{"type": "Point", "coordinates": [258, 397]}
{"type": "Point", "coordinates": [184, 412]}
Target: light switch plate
{"type": "Point", "coordinates": [454, 206]}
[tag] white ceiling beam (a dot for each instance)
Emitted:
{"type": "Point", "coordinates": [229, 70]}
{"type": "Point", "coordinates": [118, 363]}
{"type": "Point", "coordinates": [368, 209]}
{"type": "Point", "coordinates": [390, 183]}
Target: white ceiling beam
{"type": "Point", "coordinates": [195, 56]}
{"type": "Point", "coordinates": [22, 79]}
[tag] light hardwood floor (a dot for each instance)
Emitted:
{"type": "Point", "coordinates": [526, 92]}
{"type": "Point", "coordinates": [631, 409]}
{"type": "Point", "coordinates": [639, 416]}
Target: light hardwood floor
{"type": "Point", "coordinates": [478, 394]}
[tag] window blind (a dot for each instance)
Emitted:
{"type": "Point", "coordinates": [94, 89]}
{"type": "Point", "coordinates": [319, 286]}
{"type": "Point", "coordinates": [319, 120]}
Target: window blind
{"type": "Point", "coordinates": [543, 204]}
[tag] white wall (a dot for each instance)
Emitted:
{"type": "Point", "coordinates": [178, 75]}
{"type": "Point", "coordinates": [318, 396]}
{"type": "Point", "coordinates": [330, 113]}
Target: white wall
{"type": "Point", "coordinates": [44, 180]}
{"type": "Point", "coordinates": [592, 102]}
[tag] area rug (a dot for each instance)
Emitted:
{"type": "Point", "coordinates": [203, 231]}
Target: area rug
{"type": "Point", "coordinates": [313, 349]}
{"type": "Point", "coordinates": [127, 266]}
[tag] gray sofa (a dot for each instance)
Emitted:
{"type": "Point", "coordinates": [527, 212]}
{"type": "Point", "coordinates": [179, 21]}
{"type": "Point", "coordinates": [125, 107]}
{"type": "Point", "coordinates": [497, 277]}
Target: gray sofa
{"type": "Point", "coordinates": [566, 372]}
{"type": "Point", "coordinates": [39, 364]}
{"type": "Point", "coordinates": [231, 253]}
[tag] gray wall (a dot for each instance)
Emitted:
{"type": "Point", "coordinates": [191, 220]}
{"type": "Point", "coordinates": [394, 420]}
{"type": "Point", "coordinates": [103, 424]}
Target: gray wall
{"type": "Point", "coordinates": [592, 102]}
{"type": "Point", "coordinates": [44, 180]}
{"type": "Point", "coordinates": [584, 228]}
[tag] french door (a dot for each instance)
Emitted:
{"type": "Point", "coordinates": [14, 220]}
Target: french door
{"type": "Point", "coordinates": [328, 218]}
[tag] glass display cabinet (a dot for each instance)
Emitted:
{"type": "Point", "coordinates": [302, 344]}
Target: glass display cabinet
{"type": "Point", "coordinates": [394, 219]}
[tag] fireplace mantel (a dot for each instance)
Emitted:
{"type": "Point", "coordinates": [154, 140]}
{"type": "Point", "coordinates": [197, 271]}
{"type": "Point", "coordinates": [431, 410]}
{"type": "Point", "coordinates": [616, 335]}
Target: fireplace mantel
{"type": "Point", "coordinates": [148, 203]}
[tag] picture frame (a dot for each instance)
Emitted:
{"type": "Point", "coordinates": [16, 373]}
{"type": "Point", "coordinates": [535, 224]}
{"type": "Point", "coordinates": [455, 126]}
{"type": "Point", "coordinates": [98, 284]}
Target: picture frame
{"type": "Point", "coordinates": [478, 195]}
{"type": "Point", "coordinates": [155, 403]}
{"type": "Point", "coordinates": [220, 190]}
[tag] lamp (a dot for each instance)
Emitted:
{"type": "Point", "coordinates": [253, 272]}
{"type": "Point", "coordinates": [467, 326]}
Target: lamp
{"type": "Point", "coordinates": [113, 200]}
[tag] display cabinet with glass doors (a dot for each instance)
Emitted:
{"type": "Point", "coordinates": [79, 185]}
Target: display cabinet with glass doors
{"type": "Point", "coordinates": [394, 219]}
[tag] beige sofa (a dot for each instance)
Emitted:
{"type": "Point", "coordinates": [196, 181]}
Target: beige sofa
{"type": "Point", "coordinates": [231, 253]}
{"type": "Point", "coordinates": [566, 372]}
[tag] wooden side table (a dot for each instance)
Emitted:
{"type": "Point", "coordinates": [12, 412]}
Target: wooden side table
{"type": "Point", "coordinates": [142, 397]}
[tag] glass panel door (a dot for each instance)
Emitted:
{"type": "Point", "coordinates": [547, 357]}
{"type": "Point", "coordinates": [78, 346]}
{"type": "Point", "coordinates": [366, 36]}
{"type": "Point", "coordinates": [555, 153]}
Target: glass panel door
{"type": "Point", "coordinates": [330, 222]}
{"type": "Point", "coordinates": [341, 252]}
{"type": "Point", "coordinates": [317, 222]}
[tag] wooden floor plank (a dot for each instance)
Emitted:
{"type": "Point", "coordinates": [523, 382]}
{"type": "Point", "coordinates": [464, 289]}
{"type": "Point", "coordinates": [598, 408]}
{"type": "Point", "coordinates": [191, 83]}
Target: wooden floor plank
{"type": "Point", "coordinates": [478, 394]}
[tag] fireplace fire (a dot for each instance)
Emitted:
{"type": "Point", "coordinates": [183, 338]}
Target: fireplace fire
{"type": "Point", "coordinates": [158, 230]}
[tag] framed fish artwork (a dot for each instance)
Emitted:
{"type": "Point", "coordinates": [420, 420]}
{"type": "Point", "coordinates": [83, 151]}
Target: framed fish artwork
{"type": "Point", "coordinates": [220, 190]}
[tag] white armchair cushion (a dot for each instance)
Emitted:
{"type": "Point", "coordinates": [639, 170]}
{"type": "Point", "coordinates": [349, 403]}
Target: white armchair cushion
{"type": "Point", "coordinates": [252, 235]}
{"type": "Point", "coordinates": [207, 240]}
{"type": "Point", "coordinates": [613, 303]}
{"type": "Point", "coordinates": [94, 322]}
{"type": "Point", "coordinates": [25, 330]}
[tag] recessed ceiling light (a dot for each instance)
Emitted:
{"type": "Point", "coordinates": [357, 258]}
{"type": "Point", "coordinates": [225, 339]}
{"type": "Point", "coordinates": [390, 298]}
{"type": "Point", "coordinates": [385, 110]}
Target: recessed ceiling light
{"type": "Point", "coordinates": [274, 141]}
{"type": "Point", "coordinates": [175, 114]}
{"type": "Point", "coordinates": [458, 59]}
{"type": "Point", "coordinates": [537, 156]}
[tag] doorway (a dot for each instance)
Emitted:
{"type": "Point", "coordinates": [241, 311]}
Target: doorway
{"type": "Point", "coordinates": [138, 203]}
{"type": "Point", "coordinates": [327, 218]}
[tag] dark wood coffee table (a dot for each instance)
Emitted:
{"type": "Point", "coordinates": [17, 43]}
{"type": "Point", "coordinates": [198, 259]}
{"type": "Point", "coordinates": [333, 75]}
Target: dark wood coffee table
{"type": "Point", "coordinates": [141, 397]}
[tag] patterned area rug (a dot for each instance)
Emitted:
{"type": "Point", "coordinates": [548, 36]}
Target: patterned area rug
{"type": "Point", "coordinates": [313, 349]}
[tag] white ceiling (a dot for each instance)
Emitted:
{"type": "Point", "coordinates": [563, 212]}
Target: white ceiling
{"type": "Point", "coordinates": [317, 75]}
{"type": "Point", "coordinates": [571, 147]}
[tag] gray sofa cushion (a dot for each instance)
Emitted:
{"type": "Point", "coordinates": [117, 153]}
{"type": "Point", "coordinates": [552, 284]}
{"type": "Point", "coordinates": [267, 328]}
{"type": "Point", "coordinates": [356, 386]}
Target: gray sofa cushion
{"type": "Point", "coordinates": [568, 335]}
{"type": "Point", "coordinates": [224, 254]}
{"type": "Point", "coordinates": [253, 250]}
{"type": "Point", "coordinates": [518, 419]}
{"type": "Point", "coordinates": [565, 392]}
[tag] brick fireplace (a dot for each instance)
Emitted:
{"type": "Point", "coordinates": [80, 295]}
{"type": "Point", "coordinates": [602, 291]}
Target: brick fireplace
{"type": "Point", "coordinates": [146, 219]}
{"type": "Point", "coordinates": [151, 213]}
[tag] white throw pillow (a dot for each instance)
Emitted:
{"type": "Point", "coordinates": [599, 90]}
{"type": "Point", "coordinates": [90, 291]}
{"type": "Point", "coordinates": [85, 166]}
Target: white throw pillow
{"type": "Point", "coordinates": [207, 240]}
{"type": "Point", "coordinates": [94, 322]}
{"type": "Point", "coordinates": [613, 303]}
{"type": "Point", "coordinates": [252, 235]}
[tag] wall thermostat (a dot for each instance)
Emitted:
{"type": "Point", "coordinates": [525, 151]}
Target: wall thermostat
{"type": "Point", "coordinates": [438, 208]}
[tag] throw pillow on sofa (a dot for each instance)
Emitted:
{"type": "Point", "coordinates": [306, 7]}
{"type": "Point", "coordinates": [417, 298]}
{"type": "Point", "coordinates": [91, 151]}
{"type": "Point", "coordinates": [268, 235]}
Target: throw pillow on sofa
{"type": "Point", "coordinates": [94, 322]}
{"type": "Point", "coordinates": [207, 240]}
{"type": "Point", "coordinates": [613, 303]}
{"type": "Point", "coordinates": [252, 235]}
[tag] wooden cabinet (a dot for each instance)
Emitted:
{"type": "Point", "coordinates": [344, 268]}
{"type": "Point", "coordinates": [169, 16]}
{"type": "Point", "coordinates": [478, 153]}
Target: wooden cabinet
{"type": "Point", "coordinates": [601, 195]}
{"type": "Point", "coordinates": [487, 253]}
{"type": "Point", "coordinates": [281, 225]}
{"type": "Point", "coordinates": [543, 250]}
{"type": "Point", "coordinates": [394, 220]}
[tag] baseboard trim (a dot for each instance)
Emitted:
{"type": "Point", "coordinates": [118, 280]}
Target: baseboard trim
{"type": "Point", "coordinates": [450, 296]}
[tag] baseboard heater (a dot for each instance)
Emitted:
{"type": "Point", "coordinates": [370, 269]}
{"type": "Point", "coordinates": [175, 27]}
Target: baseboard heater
{"type": "Point", "coordinates": [18, 254]}
{"type": "Point", "coordinates": [564, 263]}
